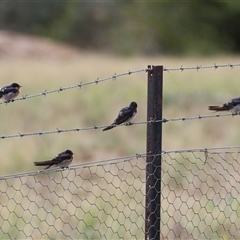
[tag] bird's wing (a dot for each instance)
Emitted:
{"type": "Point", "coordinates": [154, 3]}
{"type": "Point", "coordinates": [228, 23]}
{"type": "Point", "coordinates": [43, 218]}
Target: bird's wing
{"type": "Point", "coordinates": [7, 90]}
{"type": "Point", "coordinates": [61, 157]}
{"type": "Point", "coordinates": [234, 102]}
{"type": "Point", "coordinates": [2, 91]}
{"type": "Point", "coordinates": [124, 115]}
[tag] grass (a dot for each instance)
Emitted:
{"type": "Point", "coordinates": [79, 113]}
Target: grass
{"type": "Point", "coordinates": [186, 93]}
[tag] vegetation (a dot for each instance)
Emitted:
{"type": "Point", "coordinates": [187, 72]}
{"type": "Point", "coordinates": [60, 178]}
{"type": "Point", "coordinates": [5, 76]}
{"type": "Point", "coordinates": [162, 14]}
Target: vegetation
{"type": "Point", "coordinates": [186, 93]}
{"type": "Point", "coordinates": [123, 28]}
{"type": "Point", "coordinates": [148, 27]}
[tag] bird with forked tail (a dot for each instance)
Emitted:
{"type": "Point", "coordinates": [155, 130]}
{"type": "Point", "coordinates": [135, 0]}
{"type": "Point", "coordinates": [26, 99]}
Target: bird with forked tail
{"type": "Point", "coordinates": [233, 106]}
{"type": "Point", "coordinates": [62, 160]}
{"type": "Point", "coordinates": [125, 115]}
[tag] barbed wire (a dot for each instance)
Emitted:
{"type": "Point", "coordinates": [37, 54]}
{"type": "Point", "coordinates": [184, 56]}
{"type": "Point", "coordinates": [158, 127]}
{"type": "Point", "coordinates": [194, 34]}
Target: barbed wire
{"type": "Point", "coordinates": [199, 67]}
{"type": "Point", "coordinates": [115, 76]}
{"type": "Point", "coordinates": [79, 85]}
{"type": "Point", "coordinates": [78, 129]}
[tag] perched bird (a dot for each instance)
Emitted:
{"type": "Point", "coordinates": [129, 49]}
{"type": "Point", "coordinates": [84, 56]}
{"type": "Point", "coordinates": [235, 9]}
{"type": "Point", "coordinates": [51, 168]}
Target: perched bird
{"type": "Point", "coordinates": [8, 93]}
{"type": "Point", "coordinates": [233, 106]}
{"type": "Point", "coordinates": [62, 160]}
{"type": "Point", "coordinates": [126, 115]}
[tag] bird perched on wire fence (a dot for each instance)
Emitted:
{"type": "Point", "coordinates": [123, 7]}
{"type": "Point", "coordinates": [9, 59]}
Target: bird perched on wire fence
{"type": "Point", "coordinates": [233, 106]}
{"type": "Point", "coordinates": [8, 93]}
{"type": "Point", "coordinates": [125, 115]}
{"type": "Point", "coordinates": [62, 160]}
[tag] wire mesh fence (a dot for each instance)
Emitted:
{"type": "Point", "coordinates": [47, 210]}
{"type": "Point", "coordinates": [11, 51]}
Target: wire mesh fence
{"type": "Point", "coordinates": [200, 195]}
{"type": "Point", "coordinates": [98, 201]}
{"type": "Point", "coordinates": [200, 199]}
{"type": "Point", "coordinates": [200, 192]}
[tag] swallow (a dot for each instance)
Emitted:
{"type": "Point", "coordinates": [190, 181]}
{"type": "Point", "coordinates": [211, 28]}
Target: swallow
{"type": "Point", "coordinates": [126, 115]}
{"type": "Point", "coordinates": [8, 93]}
{"type": "Point", "coordinates": [233, 106]}
{"type": "Point", "coordinates": [62, 160]}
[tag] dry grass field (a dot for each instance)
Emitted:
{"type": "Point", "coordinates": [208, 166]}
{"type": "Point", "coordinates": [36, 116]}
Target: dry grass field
{"type": "Point", "coordinates": [186, 93]}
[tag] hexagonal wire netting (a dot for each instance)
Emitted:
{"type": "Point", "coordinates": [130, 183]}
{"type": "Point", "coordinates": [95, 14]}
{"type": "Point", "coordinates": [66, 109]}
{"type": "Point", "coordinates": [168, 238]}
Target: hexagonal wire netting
{"type": "Point", "coordinates": [106, 200]}
{"type": "Point", "coordinates": [91, 201]}
{"type": "Point", "coordinates": [200, 194]}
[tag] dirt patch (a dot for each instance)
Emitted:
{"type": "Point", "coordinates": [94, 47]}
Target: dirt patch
{"type": "Point", "coordinates": [17, 45]}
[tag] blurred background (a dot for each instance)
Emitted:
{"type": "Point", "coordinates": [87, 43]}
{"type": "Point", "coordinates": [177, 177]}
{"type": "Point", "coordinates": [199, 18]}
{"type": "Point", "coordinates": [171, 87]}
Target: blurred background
{"type": "Point", "coordinates": [132, 27]}
{"type": "Point", "coordinates": [46, 45]}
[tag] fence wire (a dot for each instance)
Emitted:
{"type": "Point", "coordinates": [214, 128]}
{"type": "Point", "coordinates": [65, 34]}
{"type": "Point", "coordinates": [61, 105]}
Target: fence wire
{"type": "Point", "coordinates": [200, 195]}
{"type": "Point", "coordinates": [104, 200]}
{"type": "Point", "coordinates": [44, 93]}
{"type": "Point", "coordinates": [78, 129]}
{"type": "Point", "coordinates": [200, 198]}
{"type": "Point", "coordinates": [200, 191]}
{"type": "Point", "coordinates": [199, 67]}
{"type": "Point", "coordinates": [79, 85]}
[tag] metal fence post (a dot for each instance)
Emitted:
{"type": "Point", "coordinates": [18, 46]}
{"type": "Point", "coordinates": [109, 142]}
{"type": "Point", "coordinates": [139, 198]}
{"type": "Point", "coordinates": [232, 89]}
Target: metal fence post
{"type": "Point", "coordinates": [154, 146]}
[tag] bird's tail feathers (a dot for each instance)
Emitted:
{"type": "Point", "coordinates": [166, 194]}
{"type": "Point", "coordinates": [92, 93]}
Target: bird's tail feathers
{"type": "Point", "coordinates": [219, 108]}
{"type": "Point", "coordinates": [44, 163]}
{"type": "Point", "coordinates": [109, 127]}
